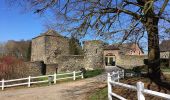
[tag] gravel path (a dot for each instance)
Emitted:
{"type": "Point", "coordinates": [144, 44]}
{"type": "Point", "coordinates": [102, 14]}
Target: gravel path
{"type": "Point", "coordinates": [76, 90]}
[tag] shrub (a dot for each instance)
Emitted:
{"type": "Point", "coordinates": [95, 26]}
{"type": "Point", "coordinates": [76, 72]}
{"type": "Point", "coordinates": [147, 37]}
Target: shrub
{"type": "Point", "coordinates": [10, 67]}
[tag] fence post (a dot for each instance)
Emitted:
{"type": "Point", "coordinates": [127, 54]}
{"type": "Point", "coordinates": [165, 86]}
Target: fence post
{"type": "Point", "coordinates": [74, 75]}
{"type": "Point", "coordinates": [140, 88]}
{"type": "Point", "coordinates": [109, 86]}
{"type": "Point", "coordinates": [118, 76]}
{"type": "Point", "coordinates": [82, 76]}
{"type": "Point", "coordinates": [29, 81]}
{"type": "Point", "coordinates": [123, 73]}
{"type": "Point", "coordinates": [3, 83]}
{"type": "Point", "coordinates": [55, 77]}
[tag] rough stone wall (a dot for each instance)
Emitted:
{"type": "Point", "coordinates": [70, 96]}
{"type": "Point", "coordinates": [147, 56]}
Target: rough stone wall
{"type": "Point", "coordinates": [130, 61]}
{"type": "Point", "coordinates": [93, 52]}
{"type": "Point", "coordinates": [165, 54]}
{"type": "Point", "coordinates": [51, 68]}
{"type": "Point", "coordinates": [55, 48]}
{"type": "Point", "coordinates": [71, 63]}
{"type": "Point", "coordinates": [38, 49]}
{"type": "Point", "coordinates": [48, 48]}
{"type": "Point", "coordinates": [32, 69]}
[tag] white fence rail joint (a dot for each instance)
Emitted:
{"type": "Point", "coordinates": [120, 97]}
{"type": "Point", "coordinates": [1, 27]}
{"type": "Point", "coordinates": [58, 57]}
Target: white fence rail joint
{"type": "Point", "coordinates": [50, 78]}
{"type": "Point", "coordinates": [111, 81]}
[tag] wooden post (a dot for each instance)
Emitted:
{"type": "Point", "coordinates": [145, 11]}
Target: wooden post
{"type": "Point", "coordinates": [29, 81]}
{"type": "Point", "coordinates": [140, 88]}
{"type": "Point", "coordinates": [118, 76]}
{"type": "Point", "coordinates": [109, 86]}
{"type": "Point", "coordinates": [74, 75]}
{"type": "Point", "coordinates": [3, 84]}
{"type": "Point", "coordinates": [55, 77]}
{"type": "Point", "coordinates": [123, 73]}
{"type": "Point", "coordinates": [82, 76]}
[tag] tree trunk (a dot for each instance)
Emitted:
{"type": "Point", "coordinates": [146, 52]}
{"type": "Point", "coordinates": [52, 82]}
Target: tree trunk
{"type": "Point", "coordinates": [153, 48]}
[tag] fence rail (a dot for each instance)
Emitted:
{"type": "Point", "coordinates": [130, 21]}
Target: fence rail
{"type": "Point", "coordinates": [113, 80]}
{"type": "Point", "coordinates": [31, 79]}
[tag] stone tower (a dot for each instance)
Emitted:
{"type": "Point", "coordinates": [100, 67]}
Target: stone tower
{"type": "Point", "coordinates": [48, 47]}
{"type": "Point", "coordinates": [93, 54]}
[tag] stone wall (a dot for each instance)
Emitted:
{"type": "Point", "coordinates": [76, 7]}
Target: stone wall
{"type": "Point", "coordinates": [131, 61]}
{"type": "Point", "coordinates": [71, 63]}
{"type": "Point", "coordinates": [165, 55]}
{"type": "Point", "coordinates": [93, 52]}
{"type": "Point", "coordinates": [51, 68]}
{"type": "Point", "coordinates": [32, 69]}
{"type": "Point", "coordinates": [38, 49]}
{"type": "Point", "coordinates": [48, 47]}
{"type": "Point", "coordinates": [56, 47]}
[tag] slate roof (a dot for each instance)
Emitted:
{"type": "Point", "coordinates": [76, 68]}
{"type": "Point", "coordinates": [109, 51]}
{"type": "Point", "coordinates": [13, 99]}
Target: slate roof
{"type": "Point", "coordinates": [165, 45]}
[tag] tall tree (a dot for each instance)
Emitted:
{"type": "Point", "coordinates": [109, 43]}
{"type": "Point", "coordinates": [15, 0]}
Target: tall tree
{"type": "Point", "coordinates": [131, 19]}
{"type": "Point", "coordinates": [74, 46]}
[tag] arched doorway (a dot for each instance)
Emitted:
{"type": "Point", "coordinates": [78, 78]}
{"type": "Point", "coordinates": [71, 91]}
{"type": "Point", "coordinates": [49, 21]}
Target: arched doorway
{"type": "Point", "coordinates": [110, 59]}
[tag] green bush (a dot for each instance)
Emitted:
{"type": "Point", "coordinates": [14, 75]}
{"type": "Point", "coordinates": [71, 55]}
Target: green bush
{"type": "Point", "coordinates": [92, 73]}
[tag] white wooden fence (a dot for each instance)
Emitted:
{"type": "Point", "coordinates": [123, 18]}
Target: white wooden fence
{"type": "Point", "coordinates": [113, 79]}
{"type": "Point", "coordinates": [50, 78]}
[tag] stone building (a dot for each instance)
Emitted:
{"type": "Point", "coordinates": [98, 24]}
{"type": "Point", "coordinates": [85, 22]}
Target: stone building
{"type": "Point", "coordinates": [165, 51]}
{"type": "Point", "coordinates": [93, 54]}
{"type": "Point", "coordinates": [127, 55]}
{"type": "Point", "coordinates": [48, 47]}
{"type": "Point", "coordinates": [52, 48]}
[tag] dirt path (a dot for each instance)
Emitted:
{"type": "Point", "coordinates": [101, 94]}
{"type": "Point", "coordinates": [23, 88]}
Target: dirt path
{"type": "Point", "coordinates": [76, 90]}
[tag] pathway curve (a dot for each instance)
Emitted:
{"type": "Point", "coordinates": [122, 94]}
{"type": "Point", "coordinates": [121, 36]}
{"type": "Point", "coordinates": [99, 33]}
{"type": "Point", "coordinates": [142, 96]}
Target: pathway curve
{"type": "Point", "coordinates": [76, 90]}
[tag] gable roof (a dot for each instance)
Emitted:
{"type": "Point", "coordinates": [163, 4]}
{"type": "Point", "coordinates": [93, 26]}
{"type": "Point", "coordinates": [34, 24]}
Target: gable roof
{"type": "Point", "coordinates": [165, 45]}
{"type": "Point", "coordinates": [50, 33]}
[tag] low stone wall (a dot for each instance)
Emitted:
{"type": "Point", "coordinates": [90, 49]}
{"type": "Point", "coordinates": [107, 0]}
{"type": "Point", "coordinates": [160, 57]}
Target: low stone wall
{"type": "Point", "coordinates": [71, 63]}
{"type": "Point", "coordinates": [130, 61]}
{"type": "Point", "coordinates": [32, 69]}
{"type": "Point", "coordinates": [51, 68]}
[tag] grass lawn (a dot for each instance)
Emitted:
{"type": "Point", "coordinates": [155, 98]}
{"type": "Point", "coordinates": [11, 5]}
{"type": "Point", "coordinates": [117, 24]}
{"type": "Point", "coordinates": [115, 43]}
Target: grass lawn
{"type": "Point", "coordinates": [165, 70]}
{"type": "Point", "coordinates": [99, 95]}
{"type": "Point", "coordinates": [93, 73]}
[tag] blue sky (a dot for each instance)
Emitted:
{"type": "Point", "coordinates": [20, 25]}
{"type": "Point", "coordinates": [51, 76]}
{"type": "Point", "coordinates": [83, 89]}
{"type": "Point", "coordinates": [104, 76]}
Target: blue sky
{"type": "Point", "coordinates": [15, 25]}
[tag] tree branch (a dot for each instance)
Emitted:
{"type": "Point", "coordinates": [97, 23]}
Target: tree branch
{"type": "Point", "coordinates": [163, 7]}
{"type": "Point", "coordinates": [116, 10]}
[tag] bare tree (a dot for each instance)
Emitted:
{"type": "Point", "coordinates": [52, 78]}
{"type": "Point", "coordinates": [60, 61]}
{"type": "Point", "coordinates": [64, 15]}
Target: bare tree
{"type": "Point", "coordinates": [116, 19]}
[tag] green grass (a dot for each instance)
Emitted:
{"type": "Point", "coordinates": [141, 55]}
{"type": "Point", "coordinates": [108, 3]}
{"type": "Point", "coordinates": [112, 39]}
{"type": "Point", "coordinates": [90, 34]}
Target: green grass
{"type": "Point", "coordinates": [93, 73]}
{"type": "Point", "coordinates": [165, 69]}
{"type": "Point", "coordinates": [99, 95]}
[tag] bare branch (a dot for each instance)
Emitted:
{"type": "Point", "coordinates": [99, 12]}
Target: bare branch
{"type": "Point", "coordinates": [163, 7]}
